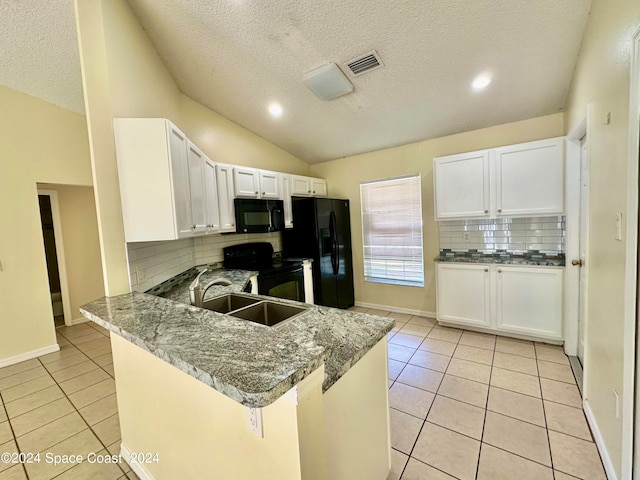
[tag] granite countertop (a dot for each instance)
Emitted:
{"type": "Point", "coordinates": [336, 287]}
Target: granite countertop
{"type": "Point", "coordinates": [503, 258]}
{"type": "Point", "coordinates": [250, 363]}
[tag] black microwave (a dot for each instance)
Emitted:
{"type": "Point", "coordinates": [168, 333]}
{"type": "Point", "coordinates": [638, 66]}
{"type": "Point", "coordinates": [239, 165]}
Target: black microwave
{"type": "Point", "coordinates": [259, 216]}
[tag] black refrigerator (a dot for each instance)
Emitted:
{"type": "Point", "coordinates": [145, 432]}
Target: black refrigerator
{"type": "Point", "coordinates": [321, 231]}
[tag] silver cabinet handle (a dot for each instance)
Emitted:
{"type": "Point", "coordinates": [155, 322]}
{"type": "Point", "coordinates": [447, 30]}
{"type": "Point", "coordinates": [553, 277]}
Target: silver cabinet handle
{"type": "Point", "coordinates": [499, 271]}
{"type": "Point", "coordinates": [499, 210]}
{"type": "Point", "coordinates": [263, 193]}
{"type": "Point", "coordinates": [486, 269]}
{"type": "Point", "coordinates": [256, 193]}
{"type": "Point", "coordinates": [486, 211]}
{"type": "Point", "coordinates": [308, 191]}
{"type": "Point", "coordinates": [193, 227]}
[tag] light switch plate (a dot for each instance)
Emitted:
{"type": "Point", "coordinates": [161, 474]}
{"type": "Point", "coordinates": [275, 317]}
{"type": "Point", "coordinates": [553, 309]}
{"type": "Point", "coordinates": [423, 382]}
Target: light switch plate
{"type": "Point", "coordinates": [619, 226]}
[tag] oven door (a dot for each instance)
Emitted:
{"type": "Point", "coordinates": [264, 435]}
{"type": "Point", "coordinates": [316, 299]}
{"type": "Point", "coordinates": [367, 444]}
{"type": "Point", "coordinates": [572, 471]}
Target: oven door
{"type": "Point", "coordinates": [285, 284]}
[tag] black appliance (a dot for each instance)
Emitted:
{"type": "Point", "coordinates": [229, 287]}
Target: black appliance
{"type": "Point", "coordinates": [276, 278]}
{"type": "Point", "coordinates": [321, 231]}
{"type": "Point", "coordinates": [258, 216]}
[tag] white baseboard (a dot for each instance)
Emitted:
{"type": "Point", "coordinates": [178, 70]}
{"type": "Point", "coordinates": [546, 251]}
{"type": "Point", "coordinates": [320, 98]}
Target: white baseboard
{"type": "Point", "coordinates": [23, 357]}
{"type": "Point", "coordinates": [79, 320]}
{"type": "Point", "coordinates": [602, 448]}
{"type": "Point", "coordinates": [387, 308]}
{"type": "Point", "coordinates": [137, 468]}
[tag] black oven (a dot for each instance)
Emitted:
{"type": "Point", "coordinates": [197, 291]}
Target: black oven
{"type": "Point", "coordinates": [282, 282]}
{"type": "Point", "coordinates": [276, 278]}
{"type": "Point", "coordinates": [259, 216]}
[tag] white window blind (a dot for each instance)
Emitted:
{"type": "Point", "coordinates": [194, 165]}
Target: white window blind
{"type": "Point", "coordinates": [392, 231]}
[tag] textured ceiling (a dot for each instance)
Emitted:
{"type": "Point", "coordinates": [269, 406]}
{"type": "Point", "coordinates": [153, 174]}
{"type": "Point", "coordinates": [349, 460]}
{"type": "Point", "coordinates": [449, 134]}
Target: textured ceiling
{"type": "Point", "coordinates": [236, 56]}
{"type": "Point", "coordinates": [39, 51]}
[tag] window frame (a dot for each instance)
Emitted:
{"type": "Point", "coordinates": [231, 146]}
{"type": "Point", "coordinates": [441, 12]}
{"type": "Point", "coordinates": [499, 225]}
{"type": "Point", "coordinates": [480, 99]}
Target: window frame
{"type": "Point", "coordinates": [390, 280]}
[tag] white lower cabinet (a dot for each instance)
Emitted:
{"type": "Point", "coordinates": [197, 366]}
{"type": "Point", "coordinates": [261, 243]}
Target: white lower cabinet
{"type": "Point", "coordinates": [510, 299]}
{"type": "Point", "coordinates": [464, 294]}
{"type": "Point", "coordinates": [529, 300]}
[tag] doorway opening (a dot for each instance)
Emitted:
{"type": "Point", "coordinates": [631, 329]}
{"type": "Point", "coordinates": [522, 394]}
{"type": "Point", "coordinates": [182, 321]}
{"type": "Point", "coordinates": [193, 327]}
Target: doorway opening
{"type": "Point", "coordinates": [54, 253]}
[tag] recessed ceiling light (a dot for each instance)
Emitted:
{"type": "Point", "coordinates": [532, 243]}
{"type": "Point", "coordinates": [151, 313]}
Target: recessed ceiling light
{"type": "Point", "coordinates": [275, 110]}
{"type": "Point", "coordinates": [481, 82]}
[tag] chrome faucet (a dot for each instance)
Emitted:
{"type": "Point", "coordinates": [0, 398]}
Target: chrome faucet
{"type": "Point", "coordinates": [197, 293]}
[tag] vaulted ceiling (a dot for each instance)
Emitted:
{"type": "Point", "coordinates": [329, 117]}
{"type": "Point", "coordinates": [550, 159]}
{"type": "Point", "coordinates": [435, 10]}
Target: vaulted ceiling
{"type": "Point", "coordinates": [238, 56]}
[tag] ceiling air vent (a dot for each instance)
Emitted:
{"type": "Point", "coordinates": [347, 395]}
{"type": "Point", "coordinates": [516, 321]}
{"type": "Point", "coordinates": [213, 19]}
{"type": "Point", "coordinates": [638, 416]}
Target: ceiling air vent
{"type": "Point", "coordinates": [364, 63]}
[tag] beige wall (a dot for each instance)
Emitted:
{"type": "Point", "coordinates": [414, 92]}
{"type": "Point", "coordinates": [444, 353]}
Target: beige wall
{"type": "Point", "coordinates": [40, 142]}
{"type": "Point", "coordinates": [344, 177]}
{"type": "Point", "coordinates": [602, 80]}
{"type": "Point", "coordinates": [81, 245]}
{"type": "Point", "coordinates": [228, 142]}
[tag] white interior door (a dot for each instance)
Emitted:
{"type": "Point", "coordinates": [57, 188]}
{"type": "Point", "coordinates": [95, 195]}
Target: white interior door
{"type": "Point", "coordinates": [584, 244]}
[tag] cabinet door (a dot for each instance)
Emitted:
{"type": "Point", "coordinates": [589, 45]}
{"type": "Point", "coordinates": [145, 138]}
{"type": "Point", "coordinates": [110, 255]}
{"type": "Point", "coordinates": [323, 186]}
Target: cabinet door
{"type": "Point", "coordinates": [246, 182]}
{"type": "Point", "coordinates": [224, 180]}
{"type": "Point", "coordinates": [269, 184]}
{"type": "Point", "coordinates": [318, 187]}
{"type": "Point", "coordinates": [530, 178]}
{"type": "Point", "coordinates": [286, 197]}
{"type": "Point", "coordinates": [529, 300]}
{"type": "Point", "coordinates": [180, 181]}
{"type": "Point", "coordinates": [300, 186]}
{"type": "Point", "coordinates": [195, 158]}
{"type": "Point", "coordinates": [464, 294]}
{"type": "Point", "coordinates": [211, 195]}
{"type": "Point", "coordinates": [461, 184]}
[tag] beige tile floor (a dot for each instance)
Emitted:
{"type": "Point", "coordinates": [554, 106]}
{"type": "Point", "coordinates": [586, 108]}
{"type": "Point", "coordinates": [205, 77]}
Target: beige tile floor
{"type": "Point", "coordinates": [473, 406]}
{"type": "Point", "coordinates": [463, 405]}
{"type": "Point", "coordinates": [63, 403]}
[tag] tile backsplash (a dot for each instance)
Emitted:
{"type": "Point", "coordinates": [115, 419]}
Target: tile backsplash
{"type": "Point", "coordinates": [546, 234]}
{"type": "Point", "coordinates": [151, 263]}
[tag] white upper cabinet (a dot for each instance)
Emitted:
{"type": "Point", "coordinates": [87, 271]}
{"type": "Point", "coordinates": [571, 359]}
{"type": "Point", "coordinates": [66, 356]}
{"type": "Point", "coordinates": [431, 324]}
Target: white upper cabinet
{"type": "Point", "coordinates": [517, 180]}
{"type": "Point", "coordinates": [285, 181]}
{"type": "Point", "coordinates": [318, 187]}
{"type": "Point", "coordinates": [308, 186]}
{"type": "Point", "coordinates": [300, 186]}
{"type": "Point", "coordinates": [530, 178]}
{"type": "Point", "coordinates": [196, 161]}
{"type": "Point", "coordinates": [224, 180]}
{"type": "Point", "coordinates": [153, 172]}
{"type": "Point", "coordinates": [461, 185]}
{"type": "Point", "coordinates": [269, 184]}
{"type": "Point", "coordinates": [246, 182]}
{"type": "Point", "coordinates": [211, 197]}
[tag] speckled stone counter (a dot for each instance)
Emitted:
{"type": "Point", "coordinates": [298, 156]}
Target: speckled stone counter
{"type": "Point", "coordinates": [502, 258]}
{"type": "Point", "coordinates": [250, 363]}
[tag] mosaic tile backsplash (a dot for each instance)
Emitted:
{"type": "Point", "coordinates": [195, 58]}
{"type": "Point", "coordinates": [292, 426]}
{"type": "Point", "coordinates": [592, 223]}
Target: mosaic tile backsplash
{"type": "Point", "coordinates": [545, 234]}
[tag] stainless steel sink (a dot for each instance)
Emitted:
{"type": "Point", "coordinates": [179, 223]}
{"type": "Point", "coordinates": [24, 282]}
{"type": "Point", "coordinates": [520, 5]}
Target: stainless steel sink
{"type": "Point", "coordinates": [264, 312]}
{"type": "Point", "coordinates": [228, 303]}
{"type": "Point", "coordinates": [268, 313]}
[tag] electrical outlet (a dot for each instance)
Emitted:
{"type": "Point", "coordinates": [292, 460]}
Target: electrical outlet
{"type": "Point", "coordinates": [616, 397]}
{"type": "Point", "coordinates": [140, 275]}
{"type": "Point", "coordinates": [254, 416]}
{"type": "Point", "coordinates": [465, 236]}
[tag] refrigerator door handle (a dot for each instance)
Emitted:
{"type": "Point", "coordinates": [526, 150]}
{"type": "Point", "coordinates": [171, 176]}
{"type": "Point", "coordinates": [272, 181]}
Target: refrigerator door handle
{"type": "Point", "coordinates": [335, 251]}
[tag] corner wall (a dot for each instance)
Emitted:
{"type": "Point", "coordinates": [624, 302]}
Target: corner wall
{"type": "Point", "coordinates": [123, 76]}
{"type": "Point", "coordinates": [43, 143]}
{"type": "Point", "coordinates": [601, 79]}
{"type": "Point", "coordinates": [345, 175]}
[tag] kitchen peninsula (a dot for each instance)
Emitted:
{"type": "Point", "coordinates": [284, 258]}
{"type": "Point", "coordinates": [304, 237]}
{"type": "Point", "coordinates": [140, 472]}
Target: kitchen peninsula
{"type": "Point", "coordinates": [221, 397]}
